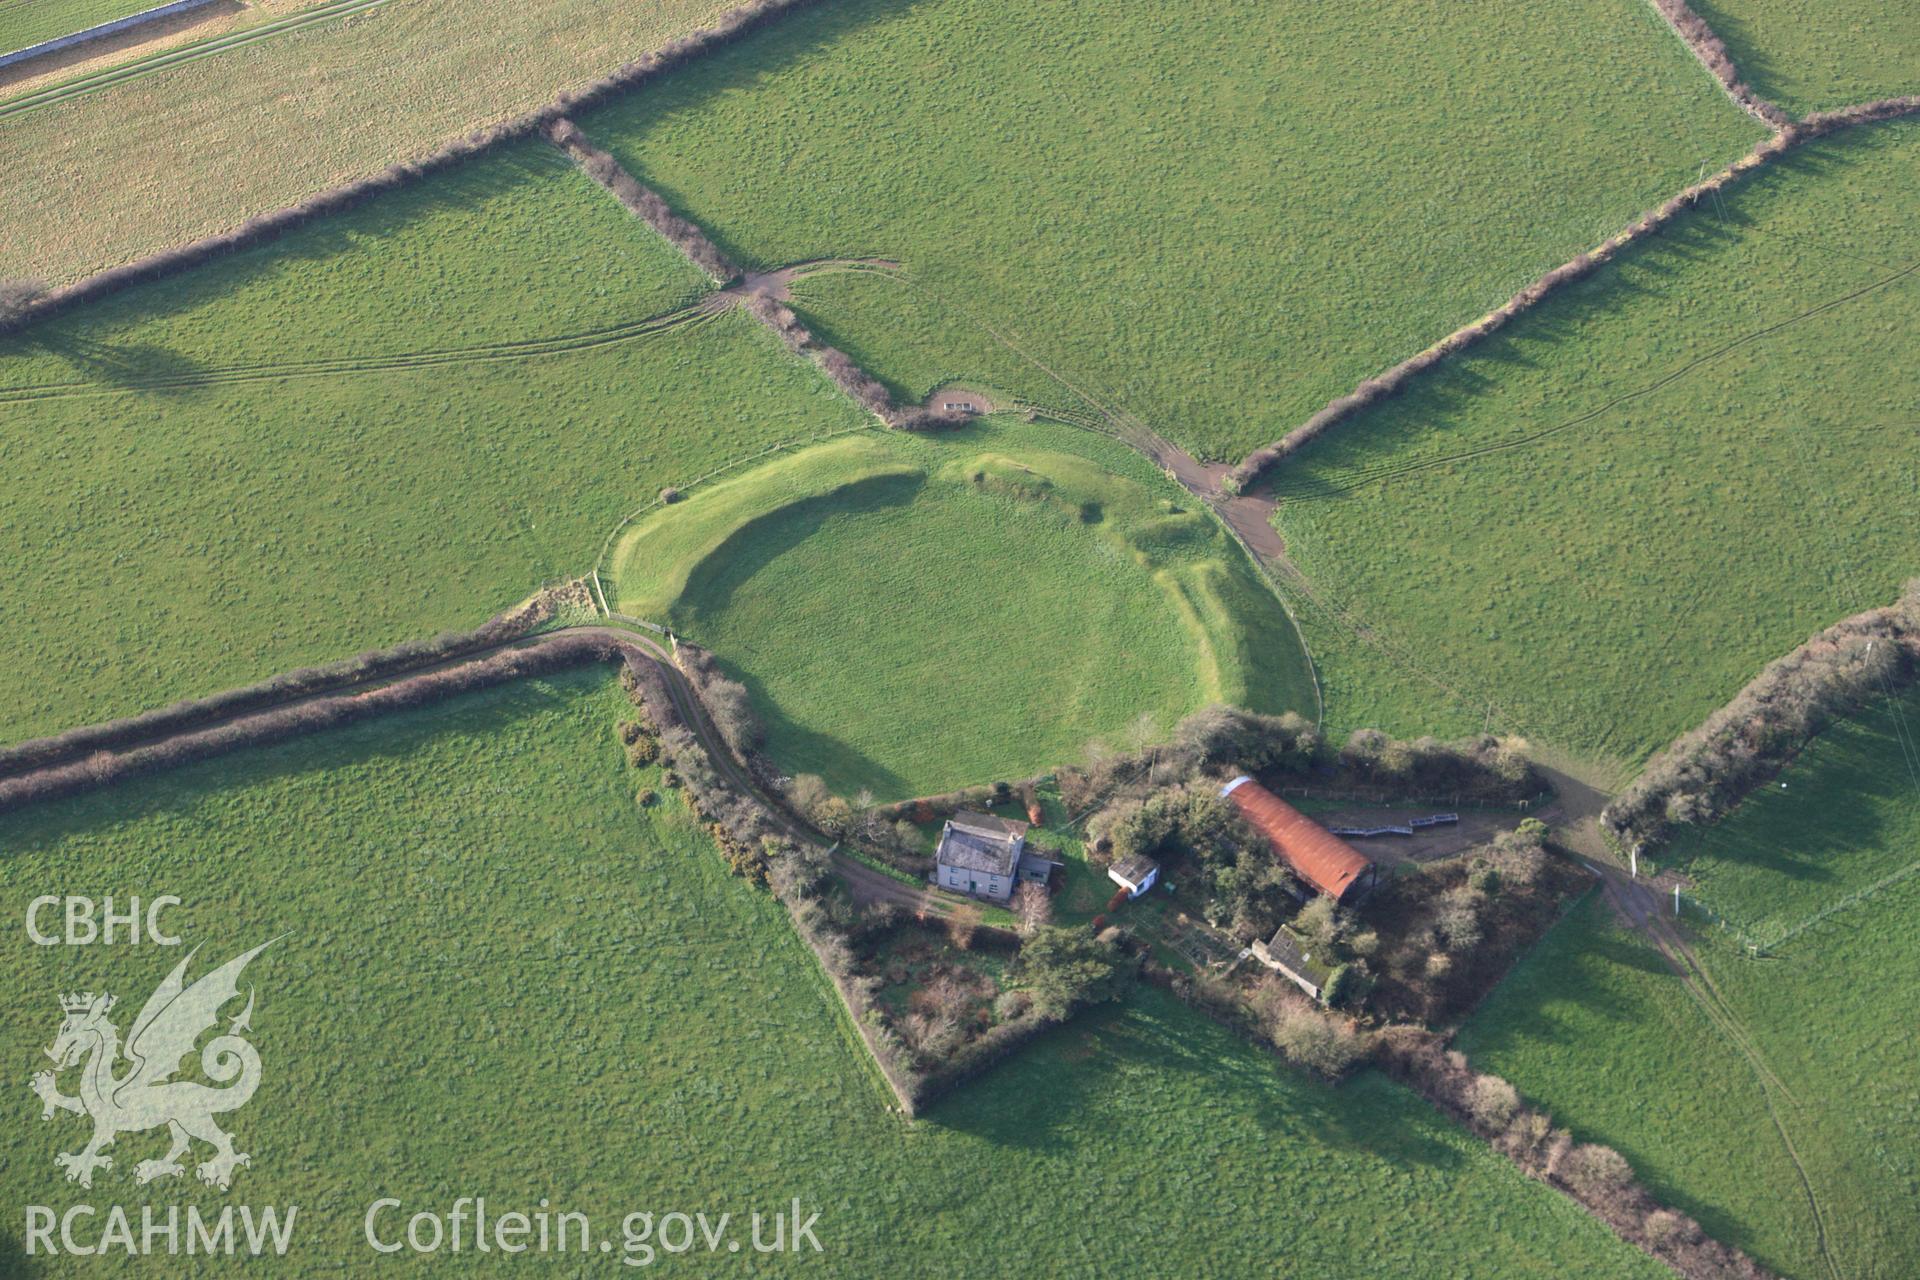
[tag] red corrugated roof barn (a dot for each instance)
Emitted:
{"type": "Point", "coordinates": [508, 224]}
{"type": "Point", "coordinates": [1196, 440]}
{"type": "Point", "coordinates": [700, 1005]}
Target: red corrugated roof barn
{"type": "Point", "coordinates": [1312, 852]}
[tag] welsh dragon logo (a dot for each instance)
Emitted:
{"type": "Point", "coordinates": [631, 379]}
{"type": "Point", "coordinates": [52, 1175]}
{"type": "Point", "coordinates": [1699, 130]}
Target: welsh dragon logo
{"type": "Point", "coordinates": [145, 1095]}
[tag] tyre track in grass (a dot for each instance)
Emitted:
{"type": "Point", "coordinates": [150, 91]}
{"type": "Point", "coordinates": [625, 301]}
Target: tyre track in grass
{"type": "Point", "coordinates": [1369, 476]}
{"type": "Point", "coordinates": [345, 366]}
{"type": "Point", "coordinates": [775, 282]}
{"type": "Point", "coordinates": [1640, 907]}
{"type": "Point", "coordinates": [94, 82]}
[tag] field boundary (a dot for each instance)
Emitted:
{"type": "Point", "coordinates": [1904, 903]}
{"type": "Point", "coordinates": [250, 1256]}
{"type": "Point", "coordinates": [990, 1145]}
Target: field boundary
{"type": "Point", "coordinates": [1253, 468]}
{"type": "Point", "coordinates": [641, 201]}
{"type": "Point", "coordinates": [1712, 53]}
{"type": "Point", "coordinates": [188, 733]}
{"type": "Point", "coordinates": [363, 671]}
{"type": "Point", "coordinates": [95, 32]}
{"type": "Point", "coordinates": [1116, 424]}
{"type": "Point", "coordinates": [733, 25]}
{"type": "Point", "coordinates": [1704, 773]}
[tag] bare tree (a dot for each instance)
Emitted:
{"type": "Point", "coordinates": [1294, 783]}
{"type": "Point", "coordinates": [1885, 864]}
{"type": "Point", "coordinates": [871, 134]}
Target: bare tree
{"type": "Point", "coordinates": [1032, 907]}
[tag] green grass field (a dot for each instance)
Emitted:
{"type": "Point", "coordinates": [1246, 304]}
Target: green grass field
{"type": "Point", "coordinates": [205, 144]}
{"type": "Point", "coordinates": [261, 462]}
{"type": "Point", "coordinates": [914, 614]}
{"type": "Point", "coordinates": [1812, 57]}
{"type": "Point", "coordinates": [26, 22]}
{"type": "Point", "coordinates": [1183, 209]}
{"type": "Point", "coordinates": [501, 978]}
{"type": "Point", "coordinates": [1597, 525]}
{"type": "Point", "coordinates": [1596, 1027]}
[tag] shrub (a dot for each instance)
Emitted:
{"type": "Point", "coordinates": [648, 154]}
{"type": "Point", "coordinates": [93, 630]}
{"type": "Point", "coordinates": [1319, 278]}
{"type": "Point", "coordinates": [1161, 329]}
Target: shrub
{"type": "Point", "coordinates": [1492, 1102]}
{"type": "Point", "coordinates": [1595, 1172]}
{"type": "Point", "coordinates": [669, 495]}
{"type": "Point", "coordinates": [647, 797]}
{"type": "Point", "coordinates": [963, 924]}
{"type": "Point", "coordinates": [642, 751]}
{"type": "Point", "coordinates": [1345, 986]}
{"type": "Point", "coordinates": [1315, 1039]}
{"type": "Point", "coordinates": [1011, 1004]}
{"type": "Point", "coordinates": [17, 297]}
{"type": "Point", "coordinates": [828, 813]}
{"type": "Point", "coordinates": [1065, 969]}
{"type": "Point", "coordinates": [1032, 907]}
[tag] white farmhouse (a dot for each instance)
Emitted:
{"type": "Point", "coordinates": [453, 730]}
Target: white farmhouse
{"type": "Point", "coordinates": [986, 856]}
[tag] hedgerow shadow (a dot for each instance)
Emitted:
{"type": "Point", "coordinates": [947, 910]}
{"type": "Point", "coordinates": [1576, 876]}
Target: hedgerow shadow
{"type": "Point", "coordinates": [467, 185]}
{"type": "Point", "coordinates": [309, 758]}
{"type": "Point", "coordinates": [759, 57]}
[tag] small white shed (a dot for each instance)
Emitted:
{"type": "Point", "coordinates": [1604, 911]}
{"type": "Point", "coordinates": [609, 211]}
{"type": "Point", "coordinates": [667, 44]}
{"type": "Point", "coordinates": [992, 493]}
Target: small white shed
{"type": "Point", "coordinates": [1136, 875]}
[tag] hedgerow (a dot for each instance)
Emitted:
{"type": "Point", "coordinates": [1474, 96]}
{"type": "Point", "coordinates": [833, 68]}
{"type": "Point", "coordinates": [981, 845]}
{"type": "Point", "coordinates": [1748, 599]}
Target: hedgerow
{"type": "Point", "coordinates": [104, 767]}
{"type": "Point", "coordinates": [643, 202]}
{"type": "Point", "coordinates": [372, 665]}
{"type": "Point", "coordinates": [732, 25]}
{"type": "Point", "coordinates": [1705, 772]}
{"type": "Point", "coordinates": [1597, 1177]}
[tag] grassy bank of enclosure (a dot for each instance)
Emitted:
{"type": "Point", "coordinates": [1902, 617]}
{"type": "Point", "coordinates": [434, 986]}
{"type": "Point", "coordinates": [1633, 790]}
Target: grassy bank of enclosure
{"type": "Point", "coordinates": [1595, 1025]}
{"type": "Point", "coordinates": [917, 613]}
{"type": "Point", "coordinates": [202, 146]}
{"type": "Point", "coordinates": [501, 978]}
{"type": "Point", "coordinates": [1180, 207]}
{"type": "Point", "coordinates": [1598, 524]}
{"type": "Point", "coordinates": [1815, 57]}
{"type": "Point", "coordinates": [329, 442]}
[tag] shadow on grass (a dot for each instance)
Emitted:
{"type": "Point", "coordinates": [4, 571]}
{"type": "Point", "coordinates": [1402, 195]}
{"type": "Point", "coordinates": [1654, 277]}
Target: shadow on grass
{"type": "Point", "coordinates": [14, 1262]}
{"type": "Point", "coordinates": [464, 186]}
{"type": "Point", "coordinates": [1756, 66]}
{"type": "Point", "coordinates": [1073, 1079]}
{"type": "Point", "coordinates": [623, 124]}
{"type": "Point", "coordinates": [185, 790]}
{"type": "Point", "coordinates": [132, 366]}
{"type": "Point", "coordinates": [750, 550]}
